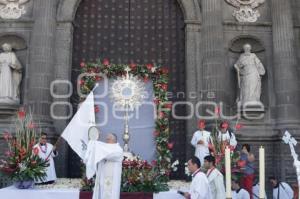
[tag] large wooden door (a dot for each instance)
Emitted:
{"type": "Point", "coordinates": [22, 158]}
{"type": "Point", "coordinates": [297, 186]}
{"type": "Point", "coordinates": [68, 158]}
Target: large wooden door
{"type": "Point", "coordinates": [141, 31]}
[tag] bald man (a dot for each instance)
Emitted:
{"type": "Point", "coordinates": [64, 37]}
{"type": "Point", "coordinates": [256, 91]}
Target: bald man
{"type": "Point", "coordinates": [105, 159]}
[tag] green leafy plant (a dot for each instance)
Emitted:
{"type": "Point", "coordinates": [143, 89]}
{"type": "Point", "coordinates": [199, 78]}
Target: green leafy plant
{"type": "Point", "coordinates": [140, 176]}
{"type": "Point", "coordinates": [21, 162]}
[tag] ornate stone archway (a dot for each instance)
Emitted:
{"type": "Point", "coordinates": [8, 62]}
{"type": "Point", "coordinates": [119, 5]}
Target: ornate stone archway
{"type": "Point", "coordinates": [64, 43]}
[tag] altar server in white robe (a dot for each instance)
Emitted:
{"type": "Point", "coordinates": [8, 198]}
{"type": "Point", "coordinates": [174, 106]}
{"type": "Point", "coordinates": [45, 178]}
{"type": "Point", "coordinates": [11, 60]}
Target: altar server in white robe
{"type": "Point", "coordinates": [238, 192]}
{"type": "Point", "coordinates": [215, 178]}
{"type": "Point", "coordinates": [200, 141]}
{"type": "Point", "coordinates": [281, 190]}
{"type": "Point", "coordinates": [47, 151]}
{"type": "Point", "coordinates": [255, 191]}
{"type": "Point", "coordinates": [227, 136]}
{"type": "Point", "coordinates": [105, 159]}
{"type": "Point", "coordinates": [199, 188]}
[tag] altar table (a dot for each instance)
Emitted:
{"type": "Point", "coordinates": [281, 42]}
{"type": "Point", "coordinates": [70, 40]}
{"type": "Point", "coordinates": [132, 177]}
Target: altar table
{"type": "Point", "coordinates": [14, 193]}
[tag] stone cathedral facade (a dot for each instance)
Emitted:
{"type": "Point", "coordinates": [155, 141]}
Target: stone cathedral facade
{"type": "Point", "coordinates": [199, 40]}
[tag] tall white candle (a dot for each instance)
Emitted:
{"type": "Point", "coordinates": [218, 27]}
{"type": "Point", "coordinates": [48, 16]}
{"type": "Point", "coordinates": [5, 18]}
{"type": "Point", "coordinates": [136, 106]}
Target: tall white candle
{"type": "Point", "coordinates": [228, 172]}
{"type": "Point", "coordinates": [261, 172]}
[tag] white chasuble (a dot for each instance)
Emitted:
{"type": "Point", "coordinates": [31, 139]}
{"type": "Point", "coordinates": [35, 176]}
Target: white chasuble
{"type": "Point", "coordinates": [106, 161]}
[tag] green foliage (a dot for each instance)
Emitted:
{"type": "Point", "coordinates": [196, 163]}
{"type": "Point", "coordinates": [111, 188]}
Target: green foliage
{"type": "Point", "coordinates": [22, 162]}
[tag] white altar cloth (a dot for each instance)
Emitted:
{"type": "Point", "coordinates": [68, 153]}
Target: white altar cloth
{"type": "Point", "coordinates": [14, 193]}
{"type": "Point", "coordinates": [172, 194]}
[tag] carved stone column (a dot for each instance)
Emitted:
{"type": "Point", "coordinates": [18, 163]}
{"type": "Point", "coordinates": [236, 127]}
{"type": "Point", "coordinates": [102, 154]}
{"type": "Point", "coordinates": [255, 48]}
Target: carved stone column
{"type": "Point", "coordinates": [193, 59]}
{"type": "Point", "coordinates": [41, 69]}
{"type": "Point", "coordinates": [285, 64]}
{"type": "Point", "coordinates": [214, 73]}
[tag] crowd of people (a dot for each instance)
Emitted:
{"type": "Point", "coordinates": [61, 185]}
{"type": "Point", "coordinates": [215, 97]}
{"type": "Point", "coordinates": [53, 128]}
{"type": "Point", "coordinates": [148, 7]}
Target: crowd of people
{"type": "Point", "coordinates": [208, 181]}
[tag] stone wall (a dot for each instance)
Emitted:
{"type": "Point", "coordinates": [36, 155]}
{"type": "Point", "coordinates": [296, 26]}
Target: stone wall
{"type": "Point", "coordinates": [47, 29]}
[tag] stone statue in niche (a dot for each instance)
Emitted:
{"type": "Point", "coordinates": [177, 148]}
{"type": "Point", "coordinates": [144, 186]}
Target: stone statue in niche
{"type": "Point", "coordinates": [12, 9]}
{"type": "Point", "coordinates": [249, 70]}
{"type": "Point", "coordinates": [10, 76]}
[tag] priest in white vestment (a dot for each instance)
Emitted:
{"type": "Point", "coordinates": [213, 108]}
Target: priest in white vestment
{"type": "Point", "coordinates": [200, 141]}
{"type": "Point", "coordinates": [238, 192]}
{"type": "Point", "coordinates": [47, 152]}
{"type": "Point", "coordinates": [199, 188]}
{"type": "Point", "coordinates": [215, 178]}
{"type": "Point", "coordinates": [105, 160]}
{"type": "Point", "coordinates": [227, 136]}
{"type": "Point", "coordinates": [281, 190]}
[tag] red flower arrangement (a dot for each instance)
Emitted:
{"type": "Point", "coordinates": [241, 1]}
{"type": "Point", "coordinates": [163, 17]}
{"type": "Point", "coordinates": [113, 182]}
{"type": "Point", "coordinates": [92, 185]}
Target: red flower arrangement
{"type": "Point", "coordinates": [140, 176]}
{"type": "Point", "coordinates": [159, 77]}
{"type": "Point", "coordinates": [22, 162]}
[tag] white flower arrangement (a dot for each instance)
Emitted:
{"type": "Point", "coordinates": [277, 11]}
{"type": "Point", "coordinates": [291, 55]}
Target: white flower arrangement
{"type": "Point", "coordinates": [174, 166]}
{"type": "Point", "coordinates": [186, 169]}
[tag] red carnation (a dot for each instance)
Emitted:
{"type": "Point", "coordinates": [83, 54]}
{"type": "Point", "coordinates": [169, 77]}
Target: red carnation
{"type": "Point", "coordinates": [149, 66]}
{"type": "Point", "coordinates": [82, 64]}
{"type": "Point", "coordinates": [81, 82]}
{"type": "Point", "coordinates": [36, 151]}
{"type": "Point", "coordinates": [31, 125]}
{"type": "Point", "coordinates": [97, 78]}
{"type": "Point", "coordinates": [156, 101]}
{"type": "Point", "coordinates": [21, 113]}
{"type": "Point", "coordinates": [164, 87]}
{"type": "Point", "coordinates": [170, 145]}
{"type": "Point", "coordinates": [168, 105]}
{"type": "Point", "coordinates": [154, 162]}
{"type": "Point", "coordinates": [238, 126]}
{"type": "Point", "coordinates": [133, 66]}
{"type": "Point", "coordinates": [161, 114]}
{"type": "Point", "coordinates": [105, 62]}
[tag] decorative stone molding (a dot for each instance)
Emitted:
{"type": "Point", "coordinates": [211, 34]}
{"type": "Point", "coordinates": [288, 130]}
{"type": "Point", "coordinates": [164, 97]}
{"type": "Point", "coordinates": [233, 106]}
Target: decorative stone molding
{"type": "Point", "coordinates": [246, 9]}
{"type": "Point", "coordinates": [12, 9]}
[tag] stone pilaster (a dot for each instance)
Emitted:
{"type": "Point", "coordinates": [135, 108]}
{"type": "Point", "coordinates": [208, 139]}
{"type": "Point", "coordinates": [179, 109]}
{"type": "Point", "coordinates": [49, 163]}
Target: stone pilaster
{"type": "Point", "coordinates": [285, 64]}
{"type": "Point", "coordinates": [286, 80]}
{"type": "Point", "coordinates": [193, 59]}
{"type": "Point", "coordinates": [214, 72]}
{"type": "Point", "coordinates": [41, 69]}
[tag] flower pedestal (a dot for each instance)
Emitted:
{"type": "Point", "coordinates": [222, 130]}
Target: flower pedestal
{"type": "Point", "coordinates": [24, 184]}
{"type": "Point", "coordinates": [124, 195]}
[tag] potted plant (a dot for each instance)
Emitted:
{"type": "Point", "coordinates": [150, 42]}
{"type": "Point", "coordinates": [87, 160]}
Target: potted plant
{"type": "Point", "coordinates": [22, 163]}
